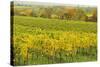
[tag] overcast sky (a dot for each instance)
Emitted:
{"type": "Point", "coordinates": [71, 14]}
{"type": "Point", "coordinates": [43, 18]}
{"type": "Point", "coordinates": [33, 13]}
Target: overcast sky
{"type": "Point", "coordinates": [77, 2]}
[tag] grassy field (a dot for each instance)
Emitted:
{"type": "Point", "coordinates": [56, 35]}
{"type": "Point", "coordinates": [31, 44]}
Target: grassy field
{"type": "Point", "coordinates": [46, 41]}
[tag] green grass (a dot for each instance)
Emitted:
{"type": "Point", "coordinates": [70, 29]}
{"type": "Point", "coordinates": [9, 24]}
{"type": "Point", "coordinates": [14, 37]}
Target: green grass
{"type": "Point", "coordinates": [43, 31]}
{"type": "Point", "coordinates": [29, 23]}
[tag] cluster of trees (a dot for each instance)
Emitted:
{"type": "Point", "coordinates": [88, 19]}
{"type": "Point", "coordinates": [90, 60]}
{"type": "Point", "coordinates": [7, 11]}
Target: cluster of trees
{"type": "Point", "coordinates": [57, 12]}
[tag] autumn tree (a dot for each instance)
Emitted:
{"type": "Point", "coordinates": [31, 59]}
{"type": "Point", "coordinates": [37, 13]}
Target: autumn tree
{"type": "Point", "coordinates": [94, 15]}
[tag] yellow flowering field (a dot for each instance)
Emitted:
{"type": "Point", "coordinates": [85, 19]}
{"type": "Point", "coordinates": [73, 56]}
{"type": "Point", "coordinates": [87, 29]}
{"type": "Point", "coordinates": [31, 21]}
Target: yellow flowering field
{"type": "Point", "coordinates": [46, 43]}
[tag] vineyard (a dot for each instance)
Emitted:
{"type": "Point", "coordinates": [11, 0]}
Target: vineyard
{"type": "Point", "coordinates": [47, 41]}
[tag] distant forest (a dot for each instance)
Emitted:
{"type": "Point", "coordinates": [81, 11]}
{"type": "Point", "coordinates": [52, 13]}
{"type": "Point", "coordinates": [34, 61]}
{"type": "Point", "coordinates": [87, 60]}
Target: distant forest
{"type": "Point", "coordinates": [58, 11]}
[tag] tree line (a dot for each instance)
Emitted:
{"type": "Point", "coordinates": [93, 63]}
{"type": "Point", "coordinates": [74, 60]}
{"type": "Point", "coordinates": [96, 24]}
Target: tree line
{"type": "Point", "coordinates": [56, 12]}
